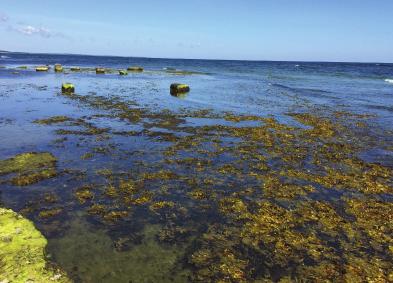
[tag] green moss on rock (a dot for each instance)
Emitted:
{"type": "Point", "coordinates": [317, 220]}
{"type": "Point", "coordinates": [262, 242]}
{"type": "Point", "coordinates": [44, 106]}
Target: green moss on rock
{"type": "Point", "coordinates": [58, 68]}
{"type": "Point", "coordinates": [67, 88]}
{"type": "Point", "coordinates": [100, 70]}
{"type": "Point", "coordinates": [42, 68]}
{"type": "Point", "coordinates": [178, 89]}
{"type": "Point", "coordinates": [22, 246]}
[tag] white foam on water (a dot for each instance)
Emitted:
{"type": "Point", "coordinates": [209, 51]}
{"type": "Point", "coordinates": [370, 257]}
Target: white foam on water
{"type": "Point", "coordinates": [4, 57]}
{"type": "Point", "coordinates": [389, 81]}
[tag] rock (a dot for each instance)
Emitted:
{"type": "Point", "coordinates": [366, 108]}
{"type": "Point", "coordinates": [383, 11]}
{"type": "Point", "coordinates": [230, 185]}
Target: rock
{"type": "Point", "coordinates": [178, 89]}
{"type": "Point", "coordinates": [135, 69]}
{"type": "Point", "coordinates": [100, 70]}
{"type": "Point", "coordinates": [123, 72]}
{"type": "Point", "coordinates": [67, 88]}
{"type": "Point", "coordinates": [75, 69]}
{"type": "Point", "coordinates": [58, 68]}
{"type": "Point", "coordinates": [42, 68]}
{"type": "Point", "coordinates": [23, 259]}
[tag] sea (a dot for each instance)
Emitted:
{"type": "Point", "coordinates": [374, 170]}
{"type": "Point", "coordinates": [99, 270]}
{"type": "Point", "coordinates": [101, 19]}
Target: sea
{"type": "Point", "coordinates": [152, 187]}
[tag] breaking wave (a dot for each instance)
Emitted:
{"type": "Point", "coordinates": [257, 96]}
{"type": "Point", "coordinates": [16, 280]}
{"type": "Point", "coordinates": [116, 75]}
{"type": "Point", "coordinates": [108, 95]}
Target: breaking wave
{"type": "Point", "coordinates": [389, 81]}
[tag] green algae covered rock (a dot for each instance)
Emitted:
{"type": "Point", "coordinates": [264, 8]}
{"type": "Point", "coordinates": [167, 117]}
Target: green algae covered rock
{"type": "Point", "coordinates": [42, 68]}
{"type": "Point", "coordinates": [22, 246]}
{"type": "Point", "coordinates": [100, 70]}
{"type": "Point", "coordinates": [123, 72]}
{"type": "Point", "coordinates": [178, 89]}
{"type": "Point", "coordinates": [58, 68]}
{"type": "Point", "coordinates": [67, 88]}
{"type": "Point", "coordinates": [29, 168]}
{"type": "Point", "coordinates": [135, 69]}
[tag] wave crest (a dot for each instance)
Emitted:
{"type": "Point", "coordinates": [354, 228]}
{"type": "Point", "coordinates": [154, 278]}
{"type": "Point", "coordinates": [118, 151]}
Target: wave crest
{"type": "Point", "coordinates": [389, 81]}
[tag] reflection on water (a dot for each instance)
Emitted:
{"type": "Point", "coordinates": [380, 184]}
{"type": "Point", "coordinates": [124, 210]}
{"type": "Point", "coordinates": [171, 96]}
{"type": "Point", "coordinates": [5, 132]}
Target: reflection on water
{"type": "Point", "coordinates": [264, 171]}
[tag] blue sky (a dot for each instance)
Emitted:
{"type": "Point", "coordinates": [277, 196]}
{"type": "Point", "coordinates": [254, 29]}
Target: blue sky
{"type": "Point", "coordinates": [310, 30]}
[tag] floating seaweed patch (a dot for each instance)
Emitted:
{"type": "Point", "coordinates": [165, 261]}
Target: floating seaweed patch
{"type": "Point", "coordinates": [53, 120]}
{"type": "Point", "coordinates": [29, 168]}
{"type": "Point", "coordinates": [84, 194]}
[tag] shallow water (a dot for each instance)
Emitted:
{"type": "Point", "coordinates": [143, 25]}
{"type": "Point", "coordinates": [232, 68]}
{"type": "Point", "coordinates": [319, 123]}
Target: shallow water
{"type": "Point", "coordinates": [156, 188]}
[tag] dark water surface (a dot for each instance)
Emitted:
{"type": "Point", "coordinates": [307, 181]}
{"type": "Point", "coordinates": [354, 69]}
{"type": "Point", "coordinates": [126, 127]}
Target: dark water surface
{"type": "Point", "coordinates": [264, 171]}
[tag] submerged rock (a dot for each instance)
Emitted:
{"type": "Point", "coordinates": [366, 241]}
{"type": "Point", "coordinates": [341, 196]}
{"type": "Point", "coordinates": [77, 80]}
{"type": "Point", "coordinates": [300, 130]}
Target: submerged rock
{"type": "Point", "coordinates": [67, 88]}
{"type": "Point", "coordinates": [42, 68]}
{"type": "Point", "coordinates": [29, 168]}
{"type": "Point", "coordinates": [100, 70]}
{"type": "Point", "coordinates": [135, 69]}
{"type": "Point", "coordinates": [123, 72]}
{"type": "Point", "coordinates": [58, 68]}
{"type": "Point", "coordinates": [22, 251]}
{"type": "Point", "coordinates": [178, 89]}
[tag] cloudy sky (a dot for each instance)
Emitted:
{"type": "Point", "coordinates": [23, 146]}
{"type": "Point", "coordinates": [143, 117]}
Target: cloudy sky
{"type": "Point", "coordinates": [312, 30]}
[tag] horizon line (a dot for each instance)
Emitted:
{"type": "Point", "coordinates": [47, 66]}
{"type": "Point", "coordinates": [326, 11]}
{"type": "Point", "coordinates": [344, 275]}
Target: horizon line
{"type": "Point", "coordinates": [200, 59]}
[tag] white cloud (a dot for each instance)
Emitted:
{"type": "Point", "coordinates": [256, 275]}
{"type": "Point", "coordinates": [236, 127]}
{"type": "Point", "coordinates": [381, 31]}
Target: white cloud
{"type": "Point", "coordinates": [3, 17]}
{"type": "Point", "coordinates": [30, 30]}
{"type": "Point", "coordinates": [40, 31]}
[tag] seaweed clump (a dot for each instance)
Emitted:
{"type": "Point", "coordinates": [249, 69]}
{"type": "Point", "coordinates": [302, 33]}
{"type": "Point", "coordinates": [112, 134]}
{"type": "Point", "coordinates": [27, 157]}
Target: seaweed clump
{"type": "Point", "coordinates": [29, 168]}
{"type": "Point", "coordinates": [53, 120]}
{"type": "Point", "coordinates": [22, 257]}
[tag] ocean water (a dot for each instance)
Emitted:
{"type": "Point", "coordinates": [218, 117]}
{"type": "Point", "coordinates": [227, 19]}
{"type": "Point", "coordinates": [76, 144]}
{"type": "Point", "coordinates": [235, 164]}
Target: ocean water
{"type": "Point", "coordinates": [181, 155]}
